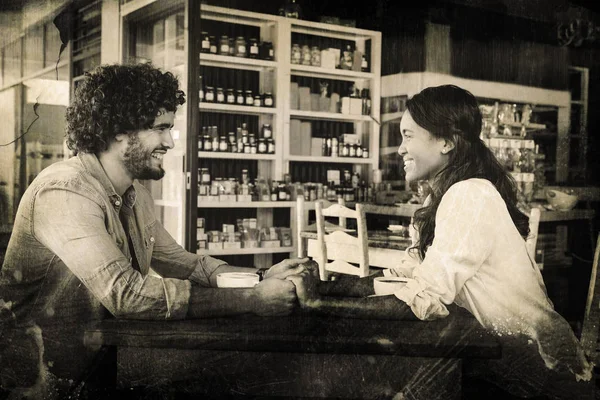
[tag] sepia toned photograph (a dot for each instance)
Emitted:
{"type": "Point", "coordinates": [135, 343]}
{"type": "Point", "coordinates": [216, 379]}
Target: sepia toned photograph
{"type": "Point", "coordinates": [299, 199]}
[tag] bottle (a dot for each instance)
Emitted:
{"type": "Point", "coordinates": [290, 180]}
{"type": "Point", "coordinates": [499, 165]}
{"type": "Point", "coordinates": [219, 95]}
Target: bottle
{"type": "Point", "coordinates": [205, 45]}
{"type": "Point", "coordinates": [268, 99]}
{"type": "Point", "coordinates": [306, 56]}
{"type": "Point", "coordinates": [213, 45]}
{"type": "Point", "coordinates": [240, 99]}
{"type": "Point", "coordinates": [262, 146]}
{"type": "Point", "coordinates": [347, 59]}
{"type": "Point", "coordinates": [334, 146]}
{"type": "Point", "coordinates": [240, 47]}
{"type": "Point", "coordinates": [215, 143]}
{"type": "Point", "coordinates": [268, 51]}
{"type": "Point", "coordinates": [200, 90]}
{"type": "Point", "coordinates": [224, 45]}
{"type": "Point", "coordinates": [249, 98]}
{"type": "Point", "coordinates": [270, 146]}
{"type": "Point", "coordinates": [315, 56]}
{"type": "Point", "coordinates": [209, 96]}
{"type": "Point", "coordinates": [220, 95]}
{"type": "Point", "coordinates": [274, 191]}
{"type": "Point", "coordinates": [254, 50]}
{"type": "Point", "coordinates": [257, 101]}
{"type": "Point", "coordinates": [230, 96]}
{"type": "Point", "coordinates": [223, 144]}
{"type": "Point", "coordinates": [267, 131]}
{"type": "Point", "coordinates": [364, 64]}
{"type": "Point", "coordinates": [207, 143]}
{"type": "Point", "coordinates": [296, 54]}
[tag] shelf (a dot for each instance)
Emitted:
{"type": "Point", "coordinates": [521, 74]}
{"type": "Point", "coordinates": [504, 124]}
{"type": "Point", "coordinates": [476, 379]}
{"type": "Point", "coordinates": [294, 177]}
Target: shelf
{"type": "Point", "coordinates": [255, 250]}
{"type": "Point", "coordinates": [235, 109]}
{"type": "Point", "coordinates": [387, 117]}
{"type": "Point", "coordinates": [337, 160]}
{"type": "Point", "coordinates": [329, 116]}
{"type": "Point", "coordinates": [252, 64]}
{"type": "Point", "coordinates": [235, 156]}
{"type": "Point", "coordinates": [330, 30]}
{"type": "Point", "coordinates": [328, 73]}
{"type": "Point", "coordinates": [245, 204]}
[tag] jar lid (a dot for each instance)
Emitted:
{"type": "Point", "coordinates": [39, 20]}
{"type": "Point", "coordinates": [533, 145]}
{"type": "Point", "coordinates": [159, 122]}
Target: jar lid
{"type": "Point", "coordinates": [224, 36]}
{"type": "Point", "coordinates": [248, 91]}
{"type": "Point", "coordinates": [240, 37]}
{"type": "Point", "coordinates": [219, 88]}
{"type": "Point", "coordinates": [268, 93]}
{"type": "Point", "coordinates": [209, 87]}
{"type": "Point", "coordinates": [223, 137]}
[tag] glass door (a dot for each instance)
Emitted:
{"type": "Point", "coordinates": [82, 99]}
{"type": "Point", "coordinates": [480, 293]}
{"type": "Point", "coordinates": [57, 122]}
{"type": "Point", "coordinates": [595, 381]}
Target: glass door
{"type": "Point", "coordinates": [160, 39]}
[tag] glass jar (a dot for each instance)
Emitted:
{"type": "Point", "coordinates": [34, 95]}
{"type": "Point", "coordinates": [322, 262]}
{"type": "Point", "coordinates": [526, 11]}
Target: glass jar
{"type": "Point", "coordinates": [245, 177]}
{"type": "Point", "coordinates": [224, 45]}
{"type": "Point", "coordinates": [365, 153]}
{"type": "Point", "coordinates": [245, 139]}
{"type": "Point", "coordinates": [213, 45]}
{"type": "Point", "coordinates": [315, 56]}
{"type": "Point", "coordinates": [251, 138]}
{"type": "Point", "coordinates": [268, 53]}
{"type": "Point", "coordinates": [347, 59]}
{"type": "Point", "coordinates": [253, 148]}
{"type": "Point", "coordinates": [249, 98]}
{"type": "Point", "coordinates": [209, 95]}
{"type": "Point", "coordinates": [253, 51]}
{"type": "Point", "coordinates": [215, 143]}
{"type": "Point", "coordinates": [345, 150]}
{"type": "Point", "coordinates": [247, 148]}
{"type": "Point", "coordinates": [239, 99]}
{"type": "Point", "coordinates": [262, 146]}
{"type": "Point", "coordinates": [204, 176]}
{"type": "Point", "coordinates": [257, 101]}
{"type": "Point", "coordinates": [270, 146]}
{"type": "Point", "coordinates": [223, 143]}
{"type": "Point", "coordinates": [205, 44]}
{"type": "Point", "coordinates": [220, 95]}
{"type": "Point", "coordinates": [296, 54]}
{"type": "Point", "coordinates": [240, 47]}
{"type": "Point", "coordinates": [267, 131]}
{"type": "Point", "coordinates": [207, 143]}
{"type": "Point", "coordinates": [352, 151]}
{"type": "Point", "coordinates": [230, 96]}
{"type": "Point", "coordinates": [305, 55]}
{"type": "Point", "coordinates": [268, 100]}
{"type": "Point", "coordinates": [359, 151]}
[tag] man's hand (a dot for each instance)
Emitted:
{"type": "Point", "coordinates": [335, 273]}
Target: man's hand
{"type": "Point", "coordinates": [306, 283]}
{"type": "Point", "coordinates": [274, 297]}
{"type": "Point", "coordinates": [286, 268]}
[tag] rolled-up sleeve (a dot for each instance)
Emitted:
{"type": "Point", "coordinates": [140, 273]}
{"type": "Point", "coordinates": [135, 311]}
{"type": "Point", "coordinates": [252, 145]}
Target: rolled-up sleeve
{"type": "Point", "coordinates": [78, 236]}
{"type": "Point", "coordinates": [460, 247]}
{"type": "Point", "coordinates": [169, 259]}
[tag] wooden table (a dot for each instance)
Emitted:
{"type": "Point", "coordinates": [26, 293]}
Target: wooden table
{"type": "Point", "coordinates": [301, 355]}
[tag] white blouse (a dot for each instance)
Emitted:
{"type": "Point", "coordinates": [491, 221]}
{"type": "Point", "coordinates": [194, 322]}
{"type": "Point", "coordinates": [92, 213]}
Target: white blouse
{"type": "Point", "coordinates": [479, 261]}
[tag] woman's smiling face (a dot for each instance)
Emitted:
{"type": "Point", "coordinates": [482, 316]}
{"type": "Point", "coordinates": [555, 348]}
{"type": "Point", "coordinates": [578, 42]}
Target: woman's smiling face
{"type": "Point", "coordinates": [424, 155]}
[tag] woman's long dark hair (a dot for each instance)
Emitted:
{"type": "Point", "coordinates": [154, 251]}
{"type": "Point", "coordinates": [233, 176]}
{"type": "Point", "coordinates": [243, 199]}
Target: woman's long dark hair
{"type": "Point", "coordinates": [452, 113]}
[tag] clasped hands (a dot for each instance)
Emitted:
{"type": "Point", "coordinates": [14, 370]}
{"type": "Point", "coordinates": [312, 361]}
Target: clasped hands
{"type": "Point", "coordinates": [287, 284]}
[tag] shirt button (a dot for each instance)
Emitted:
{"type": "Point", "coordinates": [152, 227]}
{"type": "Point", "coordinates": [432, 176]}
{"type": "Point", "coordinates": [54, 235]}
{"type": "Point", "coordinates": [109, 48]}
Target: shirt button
{"type": "Point", "coordinates": [152, 239]}
{"type": "Point", "coordinates": [117, 203]}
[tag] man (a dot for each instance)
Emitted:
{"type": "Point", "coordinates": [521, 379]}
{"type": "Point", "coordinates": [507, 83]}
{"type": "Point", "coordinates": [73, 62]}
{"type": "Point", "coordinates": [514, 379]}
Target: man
{"type": "Point", "coordinates": [85, 237]}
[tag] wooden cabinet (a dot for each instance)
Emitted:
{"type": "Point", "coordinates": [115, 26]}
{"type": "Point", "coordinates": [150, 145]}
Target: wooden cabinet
{"type": "Point", "coordinates": [259, 75]}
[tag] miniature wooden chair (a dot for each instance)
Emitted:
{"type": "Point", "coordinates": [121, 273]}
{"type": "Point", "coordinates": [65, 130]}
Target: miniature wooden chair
{"type": "Point", "coordinates": [340, 246]}
{"type": "Point", "coordinates": [302, 221]}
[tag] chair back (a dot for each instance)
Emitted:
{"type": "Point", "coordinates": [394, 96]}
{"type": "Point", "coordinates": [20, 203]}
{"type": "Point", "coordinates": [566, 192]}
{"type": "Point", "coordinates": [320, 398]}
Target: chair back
{"type": "Point", "coordinates": [339, 246]}
{"type": "Point", "coordinates": [534, 225]}
{"type": "Point", "coordinates": [302, 209]}
{"type": "Point", "coordinates": [591, 318]}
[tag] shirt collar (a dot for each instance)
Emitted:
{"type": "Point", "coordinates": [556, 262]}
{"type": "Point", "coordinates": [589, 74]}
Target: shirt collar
{"type": "Point", "coordinates": [92, 165]}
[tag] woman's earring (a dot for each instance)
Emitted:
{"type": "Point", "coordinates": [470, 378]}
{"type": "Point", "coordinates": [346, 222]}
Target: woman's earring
{"type": "Point", "coordinates": [444, 151]}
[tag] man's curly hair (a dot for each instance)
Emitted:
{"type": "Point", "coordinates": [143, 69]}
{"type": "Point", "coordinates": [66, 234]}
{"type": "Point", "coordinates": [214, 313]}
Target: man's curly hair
{"type": "Point", "coordinates": [114, 99]}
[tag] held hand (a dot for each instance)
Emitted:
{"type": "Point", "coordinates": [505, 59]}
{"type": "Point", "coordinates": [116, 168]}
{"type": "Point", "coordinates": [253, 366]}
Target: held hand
{"type": "Point", "coordinates": [306, 284]}
{"type": "Point", "coordinates": [286, 268]}
{"type": "Point", "coordinates": [274, 297]}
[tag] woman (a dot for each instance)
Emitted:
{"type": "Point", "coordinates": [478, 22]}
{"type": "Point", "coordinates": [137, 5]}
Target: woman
{"type": "Point", "coordinates": [468, 250]}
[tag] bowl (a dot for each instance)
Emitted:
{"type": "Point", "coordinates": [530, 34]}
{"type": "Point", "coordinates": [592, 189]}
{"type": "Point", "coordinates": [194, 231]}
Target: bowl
{"type": "Point", "coordinates": [386, 285]}
{"type": "Point", "coordinates": [560, 200]}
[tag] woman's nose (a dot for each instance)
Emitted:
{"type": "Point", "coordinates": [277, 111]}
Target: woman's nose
{"type": "Point", "coordinates": [402, 150]}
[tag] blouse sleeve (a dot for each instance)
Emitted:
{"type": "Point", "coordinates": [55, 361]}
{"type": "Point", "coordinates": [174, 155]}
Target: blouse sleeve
{"type": "Point", "coordinates": [462, 242]}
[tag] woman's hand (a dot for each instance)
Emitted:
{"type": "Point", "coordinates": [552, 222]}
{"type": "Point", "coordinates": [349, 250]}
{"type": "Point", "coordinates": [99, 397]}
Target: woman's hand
{"type": "Point", "coordinates": [286, 268]}
{"type": "Point", "coordinates": [306, 283]}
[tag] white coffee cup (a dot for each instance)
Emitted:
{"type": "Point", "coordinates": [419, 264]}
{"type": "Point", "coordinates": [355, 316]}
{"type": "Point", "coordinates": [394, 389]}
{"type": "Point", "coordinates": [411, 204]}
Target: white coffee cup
{"type": "Point", "coordinates": [237, 280]}
{"type": "Point", "coordinates": [386, 285]}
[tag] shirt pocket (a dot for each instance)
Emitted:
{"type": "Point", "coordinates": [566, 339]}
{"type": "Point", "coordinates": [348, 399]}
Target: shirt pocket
{"type": "Point", "coordinates": [149, 241]}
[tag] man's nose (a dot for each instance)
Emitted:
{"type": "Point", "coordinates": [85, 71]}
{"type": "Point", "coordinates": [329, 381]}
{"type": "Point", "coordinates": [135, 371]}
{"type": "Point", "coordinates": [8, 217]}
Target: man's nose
{"type": "Point", "coordinates": [402, 150]}
{"type": "Point", "coordinates": [168, 140]}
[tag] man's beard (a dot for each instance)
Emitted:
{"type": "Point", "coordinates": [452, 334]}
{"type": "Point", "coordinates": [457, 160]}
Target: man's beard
{"type": "Point", "coordinates": [138, 161]}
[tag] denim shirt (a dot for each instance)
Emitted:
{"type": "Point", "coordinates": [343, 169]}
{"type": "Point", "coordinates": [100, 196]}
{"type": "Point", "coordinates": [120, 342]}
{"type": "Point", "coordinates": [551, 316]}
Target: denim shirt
{"type": "Point", "coordinates": [69, 262]}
